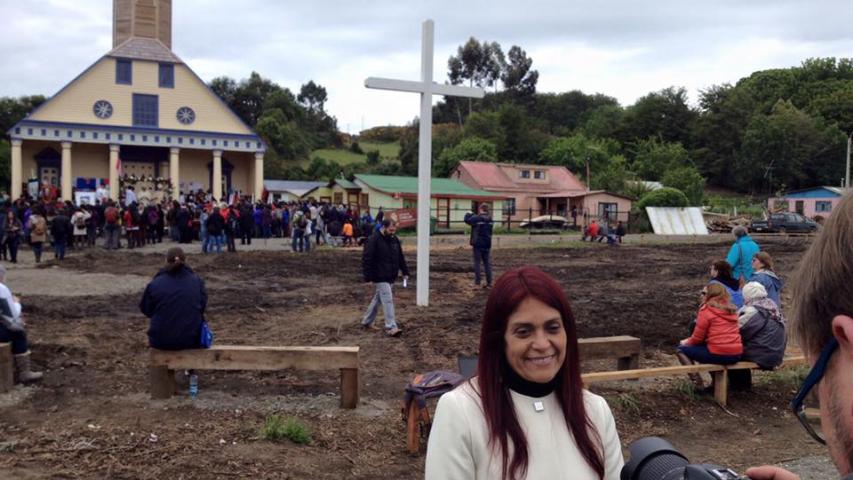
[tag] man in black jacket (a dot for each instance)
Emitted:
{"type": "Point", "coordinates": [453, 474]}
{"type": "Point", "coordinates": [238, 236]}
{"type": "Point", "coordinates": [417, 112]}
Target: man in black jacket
{"type": "Point", "coordinates": [381, 262]}
{"type": "Point", "coordinates": [60, 228]}
{"type": "Point", "coordinates": [481, 240]}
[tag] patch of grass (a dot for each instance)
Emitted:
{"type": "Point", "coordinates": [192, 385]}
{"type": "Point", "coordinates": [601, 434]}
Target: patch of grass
{"type": "Point", "coordinates": [388, 152]}
{"type": "Point", "coordinates": [789, 377]}
{"type": "Point", "coordinates": [627, 402]}
{"type": "Point", "coordinates": [685, 388]}
{"type": "Point", "coordinates": [277, 428]}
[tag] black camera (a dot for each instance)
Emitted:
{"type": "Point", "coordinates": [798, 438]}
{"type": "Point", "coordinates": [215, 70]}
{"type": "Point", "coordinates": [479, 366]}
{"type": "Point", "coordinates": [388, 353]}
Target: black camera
{"type": "Point", "coordinates": [653, 458]}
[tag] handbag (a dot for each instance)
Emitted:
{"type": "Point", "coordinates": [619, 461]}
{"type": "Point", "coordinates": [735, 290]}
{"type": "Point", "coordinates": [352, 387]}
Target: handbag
{"type": "Point", "coordinates": [206, 340]}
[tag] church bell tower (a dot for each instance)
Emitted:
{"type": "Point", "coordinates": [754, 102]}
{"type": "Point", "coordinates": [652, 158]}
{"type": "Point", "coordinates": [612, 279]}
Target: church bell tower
{"type": "Point", "coordinates": [142, 19]}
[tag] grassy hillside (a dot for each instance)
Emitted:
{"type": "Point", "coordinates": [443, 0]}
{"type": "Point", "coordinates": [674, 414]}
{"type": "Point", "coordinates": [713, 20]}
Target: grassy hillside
{"type": "Point", "coordinates": [387, 152]}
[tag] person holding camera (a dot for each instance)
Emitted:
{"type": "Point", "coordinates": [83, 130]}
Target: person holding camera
{"type": "Point", "coordinates": [525, 415]}
{"type": "Point", "coordinates": [821, 321]}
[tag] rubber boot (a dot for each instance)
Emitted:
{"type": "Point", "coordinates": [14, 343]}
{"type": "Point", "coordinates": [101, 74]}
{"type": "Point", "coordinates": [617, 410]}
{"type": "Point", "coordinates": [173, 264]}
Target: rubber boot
{"type": "Point", "coordinates": [23, 371]}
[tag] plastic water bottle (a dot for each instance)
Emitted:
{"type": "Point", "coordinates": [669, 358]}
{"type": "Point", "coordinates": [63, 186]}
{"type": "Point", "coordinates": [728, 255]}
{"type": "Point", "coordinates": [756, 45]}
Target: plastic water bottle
{"type": "Point", "coordinates": [193, 386]}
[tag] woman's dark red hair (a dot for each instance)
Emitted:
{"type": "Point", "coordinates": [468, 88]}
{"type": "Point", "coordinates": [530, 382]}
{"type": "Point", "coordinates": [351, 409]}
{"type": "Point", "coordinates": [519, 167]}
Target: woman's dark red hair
{"type": "Point", "coordinates": [509, 291]}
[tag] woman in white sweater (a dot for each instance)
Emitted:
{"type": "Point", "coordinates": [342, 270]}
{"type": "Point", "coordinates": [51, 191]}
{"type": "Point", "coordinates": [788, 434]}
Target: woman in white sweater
{"type": "Point", "coordinates": [525, 415]}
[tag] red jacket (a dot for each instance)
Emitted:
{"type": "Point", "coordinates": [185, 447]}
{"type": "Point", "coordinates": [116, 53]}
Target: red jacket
{"type": "Point", "coordinates": [718, 329]}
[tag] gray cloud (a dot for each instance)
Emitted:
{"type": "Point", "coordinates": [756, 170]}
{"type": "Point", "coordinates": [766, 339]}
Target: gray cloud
{"type": "Point", "coordinates": [622, 48]}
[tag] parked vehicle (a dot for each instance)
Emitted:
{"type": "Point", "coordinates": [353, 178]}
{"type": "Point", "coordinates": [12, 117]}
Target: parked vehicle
{"type": "Point", "coordinates": [545, 221]}
{"type": "Point", "coordinates": [783, 223]}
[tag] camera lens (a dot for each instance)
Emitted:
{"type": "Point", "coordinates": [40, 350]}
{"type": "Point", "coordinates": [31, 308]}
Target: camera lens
{"type": "Point", "coordinates": [653, 458]}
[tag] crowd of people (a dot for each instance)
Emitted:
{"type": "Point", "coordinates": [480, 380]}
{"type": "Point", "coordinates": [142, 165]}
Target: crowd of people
{"type": "Point", "coordinates": [60, 225]}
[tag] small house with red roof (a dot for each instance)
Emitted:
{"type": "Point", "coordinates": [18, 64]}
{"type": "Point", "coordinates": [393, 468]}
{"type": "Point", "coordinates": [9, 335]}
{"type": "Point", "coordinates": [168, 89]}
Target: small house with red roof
{"type": "Point", "coordinates": [535, 190]}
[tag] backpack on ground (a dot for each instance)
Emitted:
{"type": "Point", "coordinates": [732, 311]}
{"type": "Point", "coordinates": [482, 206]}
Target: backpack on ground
{"type": "Point", "coordinates": [414, 409]}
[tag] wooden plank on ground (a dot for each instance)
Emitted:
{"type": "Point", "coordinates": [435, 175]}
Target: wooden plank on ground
{"type": "Point", "coordinates": [7, 368]}
{"type": "Point", "coordinates": [609, 347]}
{"type": "Point", "coordinates": [648, 373]}
{"type": "Point", "coordinates": [231, 357]}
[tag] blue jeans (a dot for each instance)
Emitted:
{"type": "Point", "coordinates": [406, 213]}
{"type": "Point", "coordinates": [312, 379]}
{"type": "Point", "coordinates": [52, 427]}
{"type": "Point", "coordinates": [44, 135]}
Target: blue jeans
{"type": "Point", "coordinates": [296, 242]}
{"type": "Point", "coordinates": [205, 240]}
{"type": "Point", "coordinates": [37, 246]}
{"type": "Point", "coordinates": [700, 354]}
{"type": "Point", "coordinates": [211, 241]}
{"type": "Point", "coordinates": [112, 231]}
{"type": "Point", "coordinates": [18, 340]}
{"type": "Point", "coordinates": [59, 249]}
{"type": "Point", "coordinates": [384, 296]}
{"type": "Point", "coordinates": [482, 254]}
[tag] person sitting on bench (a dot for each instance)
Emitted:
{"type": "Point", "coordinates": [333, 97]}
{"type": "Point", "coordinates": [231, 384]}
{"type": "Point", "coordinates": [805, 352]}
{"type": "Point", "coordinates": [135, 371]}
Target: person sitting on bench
{"type": "Point", "coordinates": [526, 413]}
{"type": "Point", "coordinates": [762, 328]}
{"type": "Point", "coordinates": [175, 301]}
{"type": "Point", "coordinates": [721, 272]}
{"type": "Point", "coordinates": [12, 330]}
{"type": "Point", "coordinates": [716, 337]}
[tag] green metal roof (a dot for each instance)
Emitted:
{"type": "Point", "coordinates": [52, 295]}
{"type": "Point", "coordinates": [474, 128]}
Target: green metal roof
{"type": "Point", "coordinates": [346, 184]}
{"type": "Point", "coordinates": [409, 185]}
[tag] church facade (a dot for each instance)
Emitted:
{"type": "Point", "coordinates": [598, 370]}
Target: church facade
{"type": "Point", "coordinates": [139, 116]}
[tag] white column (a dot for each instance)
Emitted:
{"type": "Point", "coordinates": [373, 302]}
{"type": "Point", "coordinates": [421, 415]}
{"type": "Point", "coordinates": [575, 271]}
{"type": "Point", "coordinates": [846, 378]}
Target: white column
{"type": "Point", "coordinates": [217, 175]}
{"type": "Point", "coordinates": [425, 166]}
{"type": "Point", "coordinates": [17, 168]}
{"type": "Point", "coordinates": [175, 171]}
{"type": "Point", "coordinates": [66, 171]}
{"type": "Point", "coordinates": [259, 175]}
{"type": "Point", "coordinates": [114, 188]}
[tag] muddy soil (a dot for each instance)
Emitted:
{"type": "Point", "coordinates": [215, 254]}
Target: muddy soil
{"type": "Point", "coordinates": [92, 416]}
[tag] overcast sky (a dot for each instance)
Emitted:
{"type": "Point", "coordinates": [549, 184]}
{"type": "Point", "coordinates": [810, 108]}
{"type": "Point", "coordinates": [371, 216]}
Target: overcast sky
{"type": "Point", "coordinates": [622, 48]}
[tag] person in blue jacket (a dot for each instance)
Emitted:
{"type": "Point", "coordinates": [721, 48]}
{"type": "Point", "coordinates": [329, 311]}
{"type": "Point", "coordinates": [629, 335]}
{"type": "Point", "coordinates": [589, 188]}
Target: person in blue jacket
{"type": "Point", "coordinates": [175, 301]}
{"type": "Point", "coordinates": [740, 255]}
{"type": "Point", "coordinates": [481, 240]}
{"type": "Point", "coordinates": [763, 273]}
{"type": "Point", "coordinates": [721, 272]}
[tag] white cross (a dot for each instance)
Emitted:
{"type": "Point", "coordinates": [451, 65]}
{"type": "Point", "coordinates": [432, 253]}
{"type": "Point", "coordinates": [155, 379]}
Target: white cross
{"type": "Point", "coordinates": [427, 89]}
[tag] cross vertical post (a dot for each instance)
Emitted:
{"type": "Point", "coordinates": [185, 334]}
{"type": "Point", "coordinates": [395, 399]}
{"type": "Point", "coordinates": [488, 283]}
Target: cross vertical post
{"type": "Point", "coordinates": [426, 88]}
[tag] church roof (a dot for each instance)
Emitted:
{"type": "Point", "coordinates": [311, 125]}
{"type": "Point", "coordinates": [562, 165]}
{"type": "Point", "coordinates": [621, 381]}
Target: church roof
{"type": "Point", "coordinates": [137, 48]}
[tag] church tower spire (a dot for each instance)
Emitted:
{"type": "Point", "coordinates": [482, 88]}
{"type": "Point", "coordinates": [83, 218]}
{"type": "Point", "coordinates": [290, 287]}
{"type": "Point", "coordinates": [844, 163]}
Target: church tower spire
{"type": "Point", "coordinates": [142, 19]}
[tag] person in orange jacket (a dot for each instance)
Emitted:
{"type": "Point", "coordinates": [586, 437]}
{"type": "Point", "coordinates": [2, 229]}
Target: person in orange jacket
{"type": "Point", "coordinates": [716, 336]}
{"type": "Point", "coordinates": [347, 232]}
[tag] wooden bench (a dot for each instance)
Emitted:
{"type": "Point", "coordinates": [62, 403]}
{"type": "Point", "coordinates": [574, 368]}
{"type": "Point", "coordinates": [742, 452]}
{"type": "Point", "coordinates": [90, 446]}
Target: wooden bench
{"type": "Point", "coordinates": [229, 357]}
{"type": "Point", "coordinates": [624, 348]}
{"type": "Point", "coordinates": [7, 368]}
{"type": "Point", "coordinates": [718, 372]}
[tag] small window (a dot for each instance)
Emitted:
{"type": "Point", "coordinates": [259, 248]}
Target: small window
{"type": "Point", "coordinates": [339, 198]}
{"type": "Point", "coordinates": [538, 174]}
{"type": "Point", "coordinates": [167, 75]}
{"type": "Point", "coordinates": [509, 206]}
{"type": "Point", "coordinates": [145, 110]}
{"type": "Point", "coordinates": [525, 174]}
{"type": "Point", "coordinates": [124, 72]}
{"type": "Point", "coordinates": [823, 207]}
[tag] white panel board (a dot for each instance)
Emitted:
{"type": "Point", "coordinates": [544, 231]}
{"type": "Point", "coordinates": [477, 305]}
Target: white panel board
{"type": "Point", "coordinates": [677, 221]}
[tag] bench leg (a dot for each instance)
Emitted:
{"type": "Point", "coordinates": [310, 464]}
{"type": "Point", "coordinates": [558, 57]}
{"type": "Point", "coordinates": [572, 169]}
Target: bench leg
{"type": "Point", "coordinates": [162, 382]}
{"type": "Point", "coordinates": [628, 363]}
{"type": "Point", "coordinates": [349, 387]}
{"type": "Point", "coordinates": [721, 386]}
{"type": "Point", "coordinates": [7, 368]}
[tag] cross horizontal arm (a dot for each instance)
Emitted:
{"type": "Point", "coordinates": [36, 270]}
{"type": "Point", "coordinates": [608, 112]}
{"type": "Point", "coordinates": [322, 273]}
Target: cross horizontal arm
{"type": "Point", "coordinates": [420, 87]}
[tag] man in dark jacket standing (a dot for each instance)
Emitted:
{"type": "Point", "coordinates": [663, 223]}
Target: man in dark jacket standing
{"type": "Point", "coordinates": [382, 261]}
{"type": "Point", "coordinates": [60, 228]}
{"type": "Point", "coordinates": [481, 240]}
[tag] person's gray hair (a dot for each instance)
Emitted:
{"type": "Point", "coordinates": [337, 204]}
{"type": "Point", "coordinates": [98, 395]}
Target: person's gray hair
{"type": "Point", "coordinates": [822, 288]}
{"type": "Point", "coordinates": [739, 231]}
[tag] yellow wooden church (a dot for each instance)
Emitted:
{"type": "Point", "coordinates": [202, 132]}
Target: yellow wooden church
{"type": "Point", "coordinates": [142, 113]}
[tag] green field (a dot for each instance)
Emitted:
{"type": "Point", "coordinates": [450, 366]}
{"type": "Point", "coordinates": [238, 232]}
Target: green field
{"type": "Point", "coordinates": [387, 151]}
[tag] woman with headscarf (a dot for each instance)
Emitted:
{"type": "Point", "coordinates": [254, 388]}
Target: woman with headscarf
{"type": "Point", "coordinates": [526, 414]}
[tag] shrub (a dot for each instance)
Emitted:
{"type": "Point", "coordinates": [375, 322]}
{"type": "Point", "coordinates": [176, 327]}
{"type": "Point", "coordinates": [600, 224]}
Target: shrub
{"type": "Point", "coordinates": [356, 148]}
{"type": "Point", "coordinates": [663, 197]}
{"type": "Point", "coordinates": [276, 428]}
{"type": "Point", "coordinates": [373, 157]}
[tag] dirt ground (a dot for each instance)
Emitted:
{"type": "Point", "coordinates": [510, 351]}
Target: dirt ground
{"type": "Point", "coordinates": [92, 416]}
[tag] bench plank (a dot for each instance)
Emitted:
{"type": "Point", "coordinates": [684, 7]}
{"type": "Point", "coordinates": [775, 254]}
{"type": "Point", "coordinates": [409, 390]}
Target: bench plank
{"type": "Point", "coordinates": [7, 368]}
{"type": "Point", "coordinates": [598, 377]}
{"type": "Point", "coordinates": [228, 357]}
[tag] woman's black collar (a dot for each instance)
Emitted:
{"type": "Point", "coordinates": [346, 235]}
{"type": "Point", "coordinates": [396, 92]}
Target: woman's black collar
{"type": "Point", "coordinates": [525, 387]}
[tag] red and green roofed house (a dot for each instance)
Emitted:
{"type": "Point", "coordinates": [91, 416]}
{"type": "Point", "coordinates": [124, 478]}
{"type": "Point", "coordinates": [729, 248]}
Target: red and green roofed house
{"type": "Point", "coordinates": [450, 199]}
{"type": "Point", "coordinates": [534, 190]}
{"type": "Point", "coordinates": [810, 202]}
